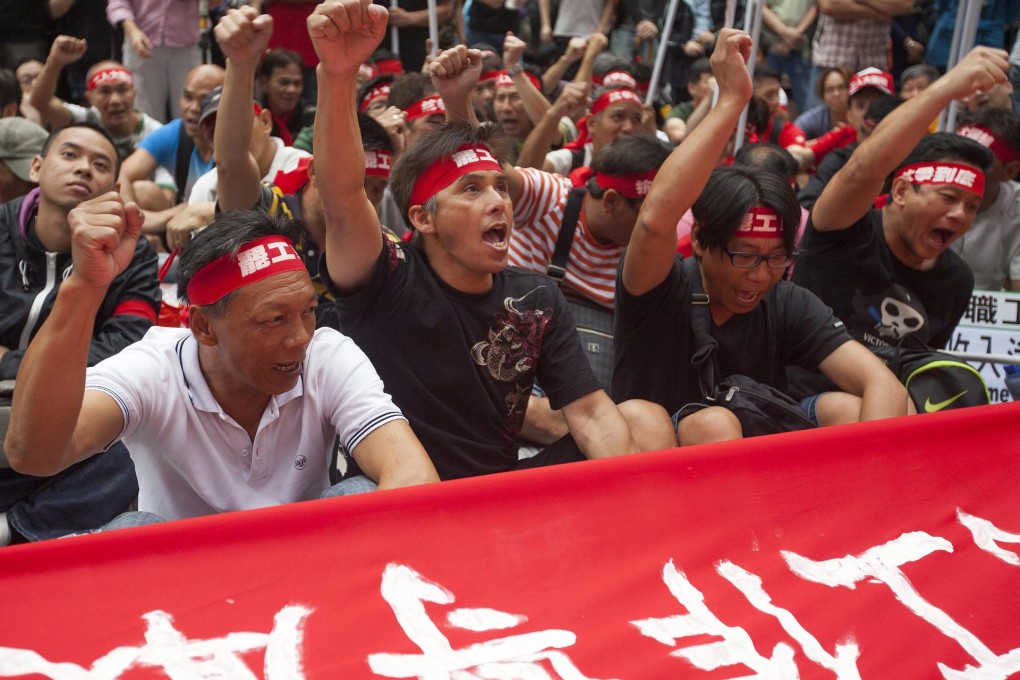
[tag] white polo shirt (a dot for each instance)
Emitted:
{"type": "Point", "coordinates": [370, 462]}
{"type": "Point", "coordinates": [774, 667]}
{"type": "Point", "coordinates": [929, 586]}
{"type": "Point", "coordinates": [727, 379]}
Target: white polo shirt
{"type": "Point", "coordinates": [192, 459]}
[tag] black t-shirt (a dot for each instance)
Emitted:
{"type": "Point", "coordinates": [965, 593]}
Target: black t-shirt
{"type": "Point", "coordinates": [485, 19]}
{"type": "Point", "coordinates": [882, 301]}
{"type": "Point", "coordinates": [654, 341]}
{"type": "Point", "coordinates": [830, 165]}
{"type": "Point", "coordinates": [461, 366]}
{"type": "Point", "coordinates": [411, 38]}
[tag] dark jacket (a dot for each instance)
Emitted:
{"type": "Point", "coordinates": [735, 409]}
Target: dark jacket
{"type": "Point", "coordinates": [30, 277]}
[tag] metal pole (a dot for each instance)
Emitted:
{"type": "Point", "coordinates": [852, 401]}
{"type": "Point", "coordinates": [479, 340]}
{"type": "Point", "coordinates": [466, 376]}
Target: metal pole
{"type": "Point", "coordinates": [660, 57]}
{"type": "Point", "coordinates": [433, 27]}
{"type": "Point", "coordinates": [964, 32]}
{"type": "Point", "coordinates": [395, 34]}
{"type": "Point", "coordinates": [752, 21]}
{"type": "Point", "coordinates": [731, 13]}
{"type": "Point", "coordinates": [985, 358]}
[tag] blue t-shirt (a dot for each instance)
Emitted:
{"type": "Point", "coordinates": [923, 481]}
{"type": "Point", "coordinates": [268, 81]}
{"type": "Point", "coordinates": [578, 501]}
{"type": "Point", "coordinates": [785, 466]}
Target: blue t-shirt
{"type": "Point", "coordinates": [162, 145]}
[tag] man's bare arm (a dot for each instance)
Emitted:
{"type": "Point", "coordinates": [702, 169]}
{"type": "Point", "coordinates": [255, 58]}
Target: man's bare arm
{"type": "Point", "coordinates": [393, 457]}
{"type": "Point", "coordinates": [64, 50]}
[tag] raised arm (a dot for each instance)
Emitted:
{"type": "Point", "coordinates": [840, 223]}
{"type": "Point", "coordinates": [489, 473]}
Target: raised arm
{"type": "Point", "coordinates": [597, 43]}
{"type": "Point", "coordinates": [852, 190]}
{"type": "Point", "coordinates": [54, 422]}
{"type": "Point", "coordinates": [243, 35]}
{"type": "Point", "coordinates": [344, 34]}
{"type": "Point", "coordinates": [535, 103]}
{"type": "Point", "coordinates": [454, 73]}
{"type": "Point", "coordinates": [573, 100]}
{"type": "Point", "coordinates": [684, 174]}
{"type": "Point", "coordinates": [64, 50]}
{"type": "Point", "coordinates": [554, 74]}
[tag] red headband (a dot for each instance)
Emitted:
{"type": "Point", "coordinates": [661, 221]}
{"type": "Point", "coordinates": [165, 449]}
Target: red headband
{"type": "Point", "coordinates": [986, 138]}
{"type": "Point", "coordinates": [760, 222]}
{"type": "Point", "coordinates": [108, 76]}
{"type": "Point", "coordinates": [503, 79]}
{"type": "Point", "coordinates": [617, 78]}
{"type": "Point", "coordinates": [445, 171]}
{"type": "Point", "coordinates": [255, 261]}
{"type": "Point", "coordinates": [615, 96]}
{"type": "Point", "coordinates": [635, 185]}
{"type": "Point", "coordinates": [393, 66]}
{"type": "Point", "coordinates": [429, 106]}
{"type": "Point", "coordinates": [489, 75]}
{"type": "Point", "coordinates": [964, 177]}
{"type": "Point", "coordinates": [378, 163]}
{"type": "Point", "coordinates": [377, 92]}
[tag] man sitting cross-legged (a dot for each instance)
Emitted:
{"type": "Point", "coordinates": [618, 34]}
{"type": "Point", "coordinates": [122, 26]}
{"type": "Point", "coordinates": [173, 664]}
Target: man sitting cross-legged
{"type": "Point", "coordinates": [239, 412]}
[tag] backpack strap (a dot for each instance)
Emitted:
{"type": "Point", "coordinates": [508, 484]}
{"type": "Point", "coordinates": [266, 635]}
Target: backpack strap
{"type": "Point", "coordinates": [185, 146]}
{"type": "Point", "coordinates": [557, 268]}
{"type": "Point", "coordinates": [576, 158]}
{"type": "Point", "coordinates": [703, 357]}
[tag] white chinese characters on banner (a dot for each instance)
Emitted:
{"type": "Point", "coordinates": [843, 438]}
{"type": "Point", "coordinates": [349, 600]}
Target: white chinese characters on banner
{"type": "Point", "coordinates": [990, 325]}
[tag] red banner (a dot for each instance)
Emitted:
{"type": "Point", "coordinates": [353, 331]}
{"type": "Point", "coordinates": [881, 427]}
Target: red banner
{"type": "Point", "coordinates": [879, 550]}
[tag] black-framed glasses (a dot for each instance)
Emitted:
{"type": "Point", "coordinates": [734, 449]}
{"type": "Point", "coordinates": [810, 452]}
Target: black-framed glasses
{"type": "Point", "coordinates": [752, 260]}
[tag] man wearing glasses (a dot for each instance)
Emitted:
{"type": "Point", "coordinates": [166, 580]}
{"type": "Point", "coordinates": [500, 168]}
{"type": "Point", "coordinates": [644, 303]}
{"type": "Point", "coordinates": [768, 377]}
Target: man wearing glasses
{"type": "Point", "coordinates": [743, 240]}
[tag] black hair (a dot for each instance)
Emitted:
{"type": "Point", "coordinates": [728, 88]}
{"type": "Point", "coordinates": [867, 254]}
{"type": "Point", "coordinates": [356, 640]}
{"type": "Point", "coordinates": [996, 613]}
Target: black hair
{"type": "Point", "coordinates": [946, 146]}
{"type": "Point", "coordinates": [442, 142]}
{"type": "Point", "coordinates": [882, 107]}
{"type": "Point", "coordinates": [279, 58]}
{"type": "Point", "coordinates": [88, 126]}
{"type": "Point", "coordinates": [228, 233]}
{"type": "Point", "coordinates": [1004, 124]}
{"type": "Point", "coordinates": [731, 192]}
{"type": "Point", "coordinates": [757, 115]}
{"type": "Point", "coordinates": [608, 61]}
{"type": "Point", "coordinates": [410, 87]}
{"type": "Point", "coordinates": [385, 78]}
{"type": "Point", "coordinates": [770, 157]}
{"type": "Point", "coordinates": [764, 72]}
{"type": "Point", "coordinates": [627, 156]}
{"type": "Point", "coordinates": [10, 90]}
{"type": "Point", "coordinates": [373, 134]}
{"type": "Point", "coordinates": [699, 67]}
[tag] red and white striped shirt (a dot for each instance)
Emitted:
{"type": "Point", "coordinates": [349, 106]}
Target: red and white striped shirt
{"type": "Point", "coordinates": [538, 215]}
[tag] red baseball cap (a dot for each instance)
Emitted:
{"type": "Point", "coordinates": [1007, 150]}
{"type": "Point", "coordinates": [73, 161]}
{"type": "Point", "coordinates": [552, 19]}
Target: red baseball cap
{"type": "Point", "coordinates": [872, 77]}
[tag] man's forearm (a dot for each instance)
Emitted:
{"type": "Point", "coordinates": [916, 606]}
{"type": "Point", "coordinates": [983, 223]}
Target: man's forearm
{"type": "Point", "coordinates": [51, 381]}
{"type": "Point", "coordinates": [237, 172]}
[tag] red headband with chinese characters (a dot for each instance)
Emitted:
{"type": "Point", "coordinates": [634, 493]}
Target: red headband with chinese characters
{"type": "Point", "coordinates": [618, 78]}
{"type": "Point", "coordinates": [445, 171]}
{"type": "Point", "coordinates": [503, 79]}
{"type": "Point", "coordinates": [760, 222]}
{"type": "Point", "coordinates": [255, 261]}
{"type": "Point", "coordinates": [965, 177]}
{"type": "Point", "coordinates": [108, 76]}
{"type": "Point", "coordinates": [378, 163]}
{"type": "Point", "coordinates": [429, 106]}
{"type": "Point", "coordinates": [377, 92]}
{"type": "Point", "coordinates": [615, 96]}
{"type": "Point", "coordinates": [635, 185]}
{"type": "Point", "coordinates": [986, 138]}
{"type": "Point", "coordinates": [489, 75]}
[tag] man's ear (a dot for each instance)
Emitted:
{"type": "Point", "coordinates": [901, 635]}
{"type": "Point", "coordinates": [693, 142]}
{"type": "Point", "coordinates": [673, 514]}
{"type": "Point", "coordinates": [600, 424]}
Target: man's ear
{"type": "Point", "coordinates": [1009, 170]}
{"type": "Point", "coordinates": [695, 245]}
{"type": "Point", "coordinates": [33, 172]}
{"type": "Point", "coordinates": [898, 191]}
{"type": "Point", "coordinates": [201, 325]}
{"type": "Point", "coordinates": [422, 220]}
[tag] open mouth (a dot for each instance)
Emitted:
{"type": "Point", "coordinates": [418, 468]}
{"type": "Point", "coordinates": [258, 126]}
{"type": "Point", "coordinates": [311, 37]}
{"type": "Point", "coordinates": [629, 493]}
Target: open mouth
{"type": "Point", "coordinates": [288, 369]}
{"type": "Point", "coordinates": [496, 236]}
{"type": "Point", "coordinates": [940, 238]}
{"type": "Point", "coordinates": [747, 297]}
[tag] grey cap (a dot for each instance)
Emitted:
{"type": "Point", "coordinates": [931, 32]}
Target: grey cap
{"type": "Point", "coordinates": [21, 140]}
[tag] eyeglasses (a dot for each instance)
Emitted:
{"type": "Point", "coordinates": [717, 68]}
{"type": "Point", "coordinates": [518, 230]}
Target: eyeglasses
{"type": "Point", "coordinates": [752, 260]}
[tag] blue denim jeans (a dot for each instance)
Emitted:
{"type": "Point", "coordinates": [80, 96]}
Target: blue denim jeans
{"type": "Point", "coordinates": [799, 71]}
{"type": "Point", "coordinates": [83, 497]}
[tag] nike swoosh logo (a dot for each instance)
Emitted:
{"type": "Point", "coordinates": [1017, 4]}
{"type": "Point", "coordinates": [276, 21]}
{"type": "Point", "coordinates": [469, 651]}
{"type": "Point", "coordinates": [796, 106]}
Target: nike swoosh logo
{"type": "Point", "coordinates": [932, 408]}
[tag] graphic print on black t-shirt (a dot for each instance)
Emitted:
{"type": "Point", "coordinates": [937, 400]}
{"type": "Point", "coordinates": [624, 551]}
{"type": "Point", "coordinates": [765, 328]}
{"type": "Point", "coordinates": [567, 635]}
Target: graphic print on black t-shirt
{"type": "Point", "coordinates": [886, 318]}
{"type": "Point", "coordinates": [511, 350]}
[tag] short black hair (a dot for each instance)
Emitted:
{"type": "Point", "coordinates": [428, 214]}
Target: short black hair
{"type": "Point", "coordinates": [947, 146]}
{"type": "Point", "coordinates": [279, 58]}
{"type": "Point", "coordinates": [627, 156]}
{"type": "Point", "coordinates": [373, 134]}
{"type": "Point", "coordinates": [442, 142]}
{"type": "Point", "coordinates": [770, 157]}
{"type": "Point", "coordinates": [764, 72]}
{"type": "Point", "coordinates": [98, 129]}
{"type": "Point", "coordinates": [699, 67]}
{"type": "Point", "coordinates": [228, 233]}
{"type": "Point", "coordinates": [731, 192]}
{"type": "Point", "coordinates": [409, 88]}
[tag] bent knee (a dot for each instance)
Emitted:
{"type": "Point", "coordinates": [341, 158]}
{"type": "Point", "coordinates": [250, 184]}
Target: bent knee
{"type": "Point", "coordinates": [650, 424]}
{"type": "Point", "coordinates": [712, 424]}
